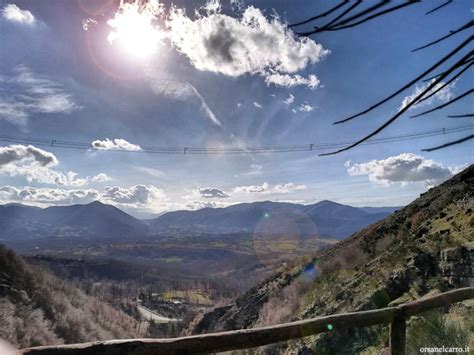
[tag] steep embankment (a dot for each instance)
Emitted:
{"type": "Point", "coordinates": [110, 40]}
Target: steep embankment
{"type": "Point", "coordinates": [36, 308]}
{"type": "Point", "coordinates": [424, 248]}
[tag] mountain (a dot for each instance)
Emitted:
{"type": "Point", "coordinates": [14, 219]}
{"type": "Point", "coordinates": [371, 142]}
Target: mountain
{"type": "Point", "coordinates": [91, 220]}
{"type": "Point", "coordinates": [425, 248]}
{"type": "Point", "coordinates": [329, 218]}
{"type": "Point", "coordinates": [37, 308]}
{"type": "Point", "coordinates": [326, 218]}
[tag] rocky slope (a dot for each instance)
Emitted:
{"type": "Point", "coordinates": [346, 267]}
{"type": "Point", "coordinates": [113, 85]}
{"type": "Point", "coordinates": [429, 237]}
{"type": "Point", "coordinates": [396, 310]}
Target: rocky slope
{"type": "Point", "coordinates": [427, 247]}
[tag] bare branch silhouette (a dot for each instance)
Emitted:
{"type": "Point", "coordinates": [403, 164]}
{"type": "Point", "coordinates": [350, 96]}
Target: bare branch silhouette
{"type": "Point", "coordinates": [469, 92]}
{"type": "Point", "coordinates": [451, 33]}
{"type": "Point", "coordinates": [462, 140]}
{"type": "Point", "coordinates": [435, 76]}
{"type": "Point", "coordinates": [340, 23]}
{"type": "Point", "coordinates": [403, 110]}
{"type": "Point", "coordinates": [324, 14]}
{"type": "Point", "coordinates": [394, 8]}
{"type": "Point", "coordinates": [439, 7]}
{"type": "Point", "coordinates": [446, 83]}
{"type": "Point", "coordinates": [362, 13]}
{"type": "Point", "coordinates": [348, 18]}
{"type": "Point", "coordinates": [320, 29]}
{"type": "Point", "coordinates": [437, 64]}
{"type": "Point", "coordinates": [462, 116]}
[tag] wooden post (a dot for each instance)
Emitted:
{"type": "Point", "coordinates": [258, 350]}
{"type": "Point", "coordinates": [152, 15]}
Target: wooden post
{"type": "Point", "coordinates": [398, 341]}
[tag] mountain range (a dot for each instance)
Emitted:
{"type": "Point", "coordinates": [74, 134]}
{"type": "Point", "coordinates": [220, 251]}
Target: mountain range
{"type": "Point", "coordinates": [96, 219]}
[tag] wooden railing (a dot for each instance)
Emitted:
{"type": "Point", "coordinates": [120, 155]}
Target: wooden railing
{"type": "Point", "coordinates": [251, 338]}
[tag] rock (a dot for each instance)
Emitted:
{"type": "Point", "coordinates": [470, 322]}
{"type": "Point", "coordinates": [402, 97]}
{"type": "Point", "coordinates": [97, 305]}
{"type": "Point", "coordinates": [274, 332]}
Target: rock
{"type": "Point", "coordinates": [457, 266]}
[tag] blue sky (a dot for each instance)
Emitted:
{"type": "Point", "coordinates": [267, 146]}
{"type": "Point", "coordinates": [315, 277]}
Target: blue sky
{"type": "Point", "coordinates": [176, 83]}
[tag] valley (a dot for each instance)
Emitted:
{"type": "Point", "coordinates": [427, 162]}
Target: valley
{"type": "Point", "coordinates": [168, 272]}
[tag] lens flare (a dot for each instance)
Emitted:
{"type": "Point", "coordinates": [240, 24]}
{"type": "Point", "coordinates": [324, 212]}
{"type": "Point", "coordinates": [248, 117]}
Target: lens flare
{"type": "Point", "coordinates": [135, 28]}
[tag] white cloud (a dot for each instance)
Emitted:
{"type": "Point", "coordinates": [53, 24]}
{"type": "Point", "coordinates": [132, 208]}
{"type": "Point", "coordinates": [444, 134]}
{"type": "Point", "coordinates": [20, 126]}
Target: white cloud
{"type": "Point", "coordinates": [26, 155]}
{"type": "Point", "coordinates": [257, 105]}
{"type": "Point", "coordinates": [199, 205]}
{"type": "Point", "coordinates": [305, 107]}
{"type": "Point", "coordinates": [290, 81]}
{"type": "Point", "coordinates": [144, 197]}
{"type": "Point", "coordinates": [138, 197]}
{"type": "Point", "coordinates": [289, 100]}
{"type": "Point", "coordinates": [182, 91]}
{"type": "Point", "coordinates": [47, 196]}
{"type": "Point", "coordinates": [33, 94]}
{"type": "Point", "coordinates": [215, 42]}
{"type": "Point", "coordinates": [266, 188]}
{"type": "Point", "coordinates": [102, 177]}
{"type": "Point", "coordinates": [115, 144]}
{"type": "Point", "coordinates": [36, 165]}
{"type": "Point", "coordinates": [13, 13]}
{"type": "Point", "coordinates": [441, 96]}
{"type": "Point", "coordinates": [403, 168]}
{"type": "Point", "coordinates": [251, 44]}
{"type": "Point", "coordinates": [212, 192]}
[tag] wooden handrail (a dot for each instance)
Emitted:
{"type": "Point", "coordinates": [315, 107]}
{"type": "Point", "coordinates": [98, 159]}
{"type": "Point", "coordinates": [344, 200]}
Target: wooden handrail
{"type": "Point", "coordinates": [250, 338]}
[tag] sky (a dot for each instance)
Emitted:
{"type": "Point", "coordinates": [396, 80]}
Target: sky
{"type": "Point", "coordinates": [120, 77]}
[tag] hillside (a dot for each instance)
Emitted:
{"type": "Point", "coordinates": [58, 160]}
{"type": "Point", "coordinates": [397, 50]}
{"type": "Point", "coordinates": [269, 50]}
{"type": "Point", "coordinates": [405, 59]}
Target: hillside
{"type": "Point", "coordinates": [91, 220]}
{"type": "Point", "coordinates": [330, 219]}
{"type": "Point", "coordinates": [37, 308]}
{"type": "Point", "coordinates": [424, 248]}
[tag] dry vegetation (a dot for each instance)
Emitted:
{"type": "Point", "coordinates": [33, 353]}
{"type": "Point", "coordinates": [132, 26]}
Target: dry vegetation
{"type": "Point", "coordinates": [37, 308]}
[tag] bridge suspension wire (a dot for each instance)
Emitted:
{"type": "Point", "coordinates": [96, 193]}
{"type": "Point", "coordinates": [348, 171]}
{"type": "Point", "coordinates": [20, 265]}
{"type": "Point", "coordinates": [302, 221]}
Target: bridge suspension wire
{"type": "Point", "coordinates": [310, 147]}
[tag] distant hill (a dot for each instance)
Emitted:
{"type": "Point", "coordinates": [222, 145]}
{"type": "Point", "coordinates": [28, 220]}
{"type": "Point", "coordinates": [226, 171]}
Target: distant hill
{"type": "Point", "coordinates": [91, 220]}
{"type": "Point", "coordinates": [330, 219]}
{"type": "Point", "coordinates": [380, 209]}
{"type": "Point", "coordinates": [37, 308]}
{"type": "Point", "coordinates": [424, 248]}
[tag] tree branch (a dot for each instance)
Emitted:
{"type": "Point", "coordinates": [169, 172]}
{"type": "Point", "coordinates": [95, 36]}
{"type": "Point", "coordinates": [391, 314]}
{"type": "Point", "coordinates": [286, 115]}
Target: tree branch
{"type": "Point", "coordinates": [394, 8]}
{"type": "Point", "coordinates": [439, 7]}
{"type": "Point", "coordinates": [437, 64]}
{"type": "Point", "coordinates": [446, 83]}
{"type": "Point", "coordinates": [462, 116]}
{"type": "Point", "coordinates": [452, 33]}
{"type": "Point", "coordinates": [402, 111]}
{"type": "Point", "coordinates": [435, 76]}
{"type": "Point", "coordinates": [445, 104]}
{"type": "Point", "coordinates": [324, 14]}
{"type": "Point", "coordinates": [320, 29]}
{"type": "Point", "coordinates": [462, 140]}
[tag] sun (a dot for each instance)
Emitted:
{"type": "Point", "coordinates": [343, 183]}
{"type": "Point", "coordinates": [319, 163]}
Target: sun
{"type": "Point", "coordinates": [134, 28]}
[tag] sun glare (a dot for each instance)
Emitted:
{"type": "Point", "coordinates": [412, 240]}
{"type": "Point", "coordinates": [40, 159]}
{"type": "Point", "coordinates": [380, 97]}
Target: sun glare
{"type": "Point", "coordinates": [135, 30]}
